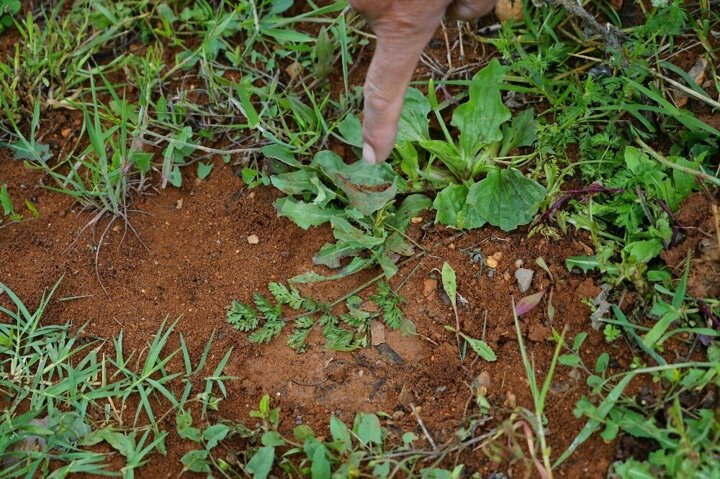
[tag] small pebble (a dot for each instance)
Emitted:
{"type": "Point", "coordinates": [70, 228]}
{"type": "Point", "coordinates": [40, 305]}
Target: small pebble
{"type": "Point", "coordinates": [519, 263]}
{"type": "Point", "coordinates": [491, 262]}
{"type": "Point", "coordinates": [524, 278]}
{"type": "Point", "coordinates": [253, 239]}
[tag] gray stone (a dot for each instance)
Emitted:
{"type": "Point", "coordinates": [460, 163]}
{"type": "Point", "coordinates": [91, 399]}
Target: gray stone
{"type": "Point", "coordinates": [524, 278]}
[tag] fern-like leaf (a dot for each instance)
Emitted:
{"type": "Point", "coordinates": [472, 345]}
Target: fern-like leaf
{"type": "Point", "coordinates": [242, 317]}
{"type": "Point", "coordinates": [393, 317]}
{"type": "Point", "coordinates": [297, 339]}
{"type": "Point", "coordinates": [283, 295]}
{"type": "Point", "coordinates": [269, 331]}
{"type": "Point", "coordinates": [338, 339]}
{"type": "Point", "coordinates": [269, 311]}
{"type": "Point", "coordinates": [389, 302]}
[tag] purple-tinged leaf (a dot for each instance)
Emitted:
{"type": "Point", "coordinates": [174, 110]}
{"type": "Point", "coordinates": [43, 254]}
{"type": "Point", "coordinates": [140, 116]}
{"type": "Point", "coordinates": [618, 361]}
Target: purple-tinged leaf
{"type": "Point", "coordinates": [527, 303]}
{"type": "Point", "coordinates": [583, 193]}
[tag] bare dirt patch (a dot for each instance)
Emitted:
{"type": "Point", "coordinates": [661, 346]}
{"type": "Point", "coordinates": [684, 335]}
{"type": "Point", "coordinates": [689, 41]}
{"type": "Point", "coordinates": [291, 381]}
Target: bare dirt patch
{"type": "Point", "coordinates": [196, 259]}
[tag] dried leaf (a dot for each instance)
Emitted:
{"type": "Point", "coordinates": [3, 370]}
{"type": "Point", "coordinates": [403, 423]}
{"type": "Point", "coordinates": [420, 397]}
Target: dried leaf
{"type": "Point", "coordinates": [527, 303]}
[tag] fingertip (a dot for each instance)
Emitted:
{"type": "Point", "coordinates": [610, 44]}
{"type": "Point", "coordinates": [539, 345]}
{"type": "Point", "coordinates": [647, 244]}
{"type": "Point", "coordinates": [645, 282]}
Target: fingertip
{"type": "Point", "coordinates": [369, 154]}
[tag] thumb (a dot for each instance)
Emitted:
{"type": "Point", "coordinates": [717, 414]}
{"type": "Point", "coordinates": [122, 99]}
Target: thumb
{"type": "Point", "coordinates": [396, 56]}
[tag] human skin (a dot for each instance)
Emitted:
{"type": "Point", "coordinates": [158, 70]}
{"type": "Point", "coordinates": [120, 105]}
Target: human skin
{"type": "Point", "coordinates": [403, 29]}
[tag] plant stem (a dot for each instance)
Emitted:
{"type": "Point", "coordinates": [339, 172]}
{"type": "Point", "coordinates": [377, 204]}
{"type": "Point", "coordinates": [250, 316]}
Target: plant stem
{"type": "Point", "coordinates": [702, 175]}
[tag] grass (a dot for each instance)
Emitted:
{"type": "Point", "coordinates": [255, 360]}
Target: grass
{"type": "Point", "coordinates": [165, 89]}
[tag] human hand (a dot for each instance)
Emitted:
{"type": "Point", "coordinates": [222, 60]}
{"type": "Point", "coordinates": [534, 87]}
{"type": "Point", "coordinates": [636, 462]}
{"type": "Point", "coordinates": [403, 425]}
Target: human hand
{"type": "Point", "coordinates": [403, 28]}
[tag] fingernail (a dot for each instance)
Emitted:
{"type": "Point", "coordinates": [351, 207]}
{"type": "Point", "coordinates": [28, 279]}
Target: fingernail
{"type": "Point", "coordinates": [369, 154]}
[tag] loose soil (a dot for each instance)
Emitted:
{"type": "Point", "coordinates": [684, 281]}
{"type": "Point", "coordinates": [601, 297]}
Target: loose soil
{"type": "Point", "coordinates": [196, 259]}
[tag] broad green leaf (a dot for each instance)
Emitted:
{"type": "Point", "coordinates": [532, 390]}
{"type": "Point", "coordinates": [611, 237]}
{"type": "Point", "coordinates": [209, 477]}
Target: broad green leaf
{"type": "Point", "coordinates": [350, 241]}
{"type": "Point", "coordinates": [350, 130]}
{"type": "Point", "coordinates": [294, 183]}
{"type": "Point", "coordinates": [448, 154]}
{"type": "Point", "coordinates": [357, 264]}
{"type": "Point", "coordinates": [409, 163]}
{"type": "Point", "coordinates": [638, 162]}
{"type": "Point", "coordinates": [449, 282]}
{"type": "Point", "coordinates": [272, 438]}
{"type": "Point", "coordinates": [183, 420]}
{"type": "Point", "coordinates": [175, 177]}
{"type": "Point", "coordinates": [261, 463]}
{"type": "Point", "coordinates": [320, 468]}
{"type": "Point", "coordinates": [411, 207]}
{"type": "Point", "coordinates": [643, 251]}
{"type": "Point", "coordinates": [6, 201]}
{"type": "Point", "coordinates": [585, 263]}
{"type": "Point", "coordinates": [196, 461]}
{"type": "Point", "coordinates": [282, 154]}
{"type": "Point", "coordinates": [506, 198]}
{"type": "Point", "coordinates": [579, 340]}
{"type": "Point", "coordinates": [673, 313]}
{"type": "Point", "coordinates": [571, 360]}
{"type": "Point", "coordinates": [602, 362]}
{"type": "Point", "coordinates": [367, 187]}
{"type": "Point", "coordinates": [481, 348]}
{"type": "Point", "coordinates": [24, 150]}
{"type": "Point", "coordinates": [214, 434]}
{"type": "Point", "coordinates": [367, 427]}
{"type": "Point", "coordinates": [204, 169]}
{"type": "Point", "coordinates": [522, 132]}
{"type": "Point", "coordinates": [453, 209]}
{"type": "Point", "coordinates": [413, 125]}
{"type": "Point", "coordinates": [480, 118]}
{"type": "Point", "coordinates": [340, 434]}
{"type": "Point", "coordinates": [304, 214]}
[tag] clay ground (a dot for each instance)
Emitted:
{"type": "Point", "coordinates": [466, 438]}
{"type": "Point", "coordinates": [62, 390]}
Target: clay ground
{"type": "Point", "coordinates": [197, 259]}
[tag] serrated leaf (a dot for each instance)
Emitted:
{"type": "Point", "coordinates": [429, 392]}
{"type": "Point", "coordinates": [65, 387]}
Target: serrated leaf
{"type": "Point", "coordinates": [294, 183]}
{"type": "Point", "coordinates": [297, 339]}
{"type": "Point", "coordinates": [367, 187]}
{"type": "Point", "coordinates": [585, 263]}
{"type": "Point", "coordinates": [267, 333]}
{"type": "Point", "coordinates": [242, 316]}
{"type": "Point", "coordinates": [304, 214]}
{"type": "Point", "coordinates": [506, 198]}
{"type": "Point", "coordinates": [283, 295]}
{"type": "Point", "coordinates": [643, 251]}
